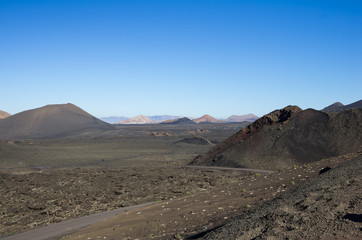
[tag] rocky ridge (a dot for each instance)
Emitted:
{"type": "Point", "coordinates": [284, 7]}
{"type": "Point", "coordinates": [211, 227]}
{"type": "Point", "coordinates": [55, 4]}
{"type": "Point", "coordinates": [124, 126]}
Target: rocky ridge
{"type": "Point", "coordinates": [288, 136]}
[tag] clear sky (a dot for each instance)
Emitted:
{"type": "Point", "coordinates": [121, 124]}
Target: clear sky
{"type": "Point", "coordinates": [184, 57]}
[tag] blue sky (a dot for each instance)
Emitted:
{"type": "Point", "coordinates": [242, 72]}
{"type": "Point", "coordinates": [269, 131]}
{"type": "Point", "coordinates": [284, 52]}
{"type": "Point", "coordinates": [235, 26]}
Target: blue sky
{"type": "Point", "coordinates": [131, 57]}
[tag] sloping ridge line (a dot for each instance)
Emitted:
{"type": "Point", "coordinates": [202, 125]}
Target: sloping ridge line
{"type": "Point", "coordinates": [275, 117]}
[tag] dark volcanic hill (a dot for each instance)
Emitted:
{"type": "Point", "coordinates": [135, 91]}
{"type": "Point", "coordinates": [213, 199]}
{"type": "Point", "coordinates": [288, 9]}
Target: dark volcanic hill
{"type": "Point", "coordinates": [4, 114]}
{"type": "Point", "coordinates": [183, 120]}
{"type": "Point", "coordinates": [50, 121]}
{"type": "Point", "coordinates": [289, 136]}
{"type": "Point", "coordinates": [338, 107]}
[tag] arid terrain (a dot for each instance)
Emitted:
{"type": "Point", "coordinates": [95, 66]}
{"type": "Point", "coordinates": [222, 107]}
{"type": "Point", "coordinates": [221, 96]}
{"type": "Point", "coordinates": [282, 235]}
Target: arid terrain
{"type": "Point", "coordinates": [32, 198]}
{"type": "Point", "coordinates": [312, 192]}
{"type": "Point", "coordinates": [200, 213]}
{"type": "Point", "coordinates": [45, 181]}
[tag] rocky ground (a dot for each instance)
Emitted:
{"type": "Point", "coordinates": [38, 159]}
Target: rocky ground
{"type": "Point", "coordinates": [326, 207]}
{"type": "Point", "coordinates": [191, 203]}
{"type": "Point", "coordinates": [198, 214]}
{"type": "Point", "coordinates": [31, 198]}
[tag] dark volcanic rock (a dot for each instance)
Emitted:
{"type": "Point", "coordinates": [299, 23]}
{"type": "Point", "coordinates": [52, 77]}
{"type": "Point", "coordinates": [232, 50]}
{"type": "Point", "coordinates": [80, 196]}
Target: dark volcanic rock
{"type": "Point", "coordinates": [325, 207]}
{"type": "Point", "coordinates": [289, 136]}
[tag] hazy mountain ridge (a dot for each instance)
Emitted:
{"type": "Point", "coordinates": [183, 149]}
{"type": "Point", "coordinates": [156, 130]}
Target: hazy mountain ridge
{"type": "Point", "coordinates": [143, 119]}
{"type": "Point", "coordinates": [140, 119]}
{"type": "Point", "coordinates": [161, 118]}
{"type": "Point", "coordinates": [241, 118]}
{"type": "Point", "coordinates": [113, 119]}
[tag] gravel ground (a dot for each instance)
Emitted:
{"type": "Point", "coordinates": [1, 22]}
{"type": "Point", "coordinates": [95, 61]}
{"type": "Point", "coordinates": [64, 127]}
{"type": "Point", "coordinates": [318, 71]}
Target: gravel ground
{"type": "Point", "coordinates": [292, 203]}
{"type": "Point", "coordinates": [30, 198]}
{"type": "Point", "coordinates": [326, 207]}
{"type": "Point", "coordinates": [194, 215]}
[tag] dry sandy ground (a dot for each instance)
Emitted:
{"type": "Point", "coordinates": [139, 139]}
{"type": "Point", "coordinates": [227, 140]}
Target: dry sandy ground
{"type": "Point", "coordinates": [194, 215]}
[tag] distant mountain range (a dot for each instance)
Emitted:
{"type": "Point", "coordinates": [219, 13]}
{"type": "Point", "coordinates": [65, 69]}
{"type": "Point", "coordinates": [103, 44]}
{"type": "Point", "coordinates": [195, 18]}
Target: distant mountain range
{"type": "Point", "coordinates": [62, 120]}
{"type": "Point", "coordinates": [242, 118]}
{"type": "Point", "coordinates": [113, 119]}
{"type": "Point", "coordinates": [161, 118]}
{"type": "Point", "coordinates": [142, 119]}
{"type": "Point", "coordinates": [156, 118]}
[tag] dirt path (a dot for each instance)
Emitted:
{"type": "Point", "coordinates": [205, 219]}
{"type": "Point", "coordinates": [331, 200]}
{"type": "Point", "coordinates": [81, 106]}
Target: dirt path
{"type": "Point", "coordinates": [56, 231]}
{"type": "Point", "coordinates": [232, 169]}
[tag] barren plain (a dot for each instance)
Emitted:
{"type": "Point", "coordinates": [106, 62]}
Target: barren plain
{"type": "Point", "coordinates": [45, 181]}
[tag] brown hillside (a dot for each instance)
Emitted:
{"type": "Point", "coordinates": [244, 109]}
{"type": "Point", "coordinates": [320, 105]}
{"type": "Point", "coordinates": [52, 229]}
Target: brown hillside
{"type": "Point", "coordinates": [50, 121]}
{"type": "Point", "coordinates": [288, 136]}
{"type": "Point", "coordinates": [207, 119]}
{"type": "Point", "coordinates": [4, 114]}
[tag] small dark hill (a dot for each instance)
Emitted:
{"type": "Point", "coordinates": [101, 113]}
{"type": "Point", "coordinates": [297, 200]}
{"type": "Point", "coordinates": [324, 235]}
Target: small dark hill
{"type": "Point", "coordinates": [51, 121]}
{"type": "Point", "coordinates": [335, 107]}
{"type": "Point", "coordinates": [4, 114]}
{"type": "Point", "coordinates": [196, 141]}
{"type": "Point", "coordinates": [183, 120]}
{"type": "Point", "coordinates": [338, 107]}
{"type": "Point", "coordinates": [289, 136]}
